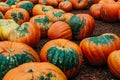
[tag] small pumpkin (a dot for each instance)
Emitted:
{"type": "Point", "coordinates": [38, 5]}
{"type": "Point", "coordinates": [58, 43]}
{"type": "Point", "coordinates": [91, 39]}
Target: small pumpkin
{"type": "Point", "coordinates": [79, 4]}
{"type": "Point", "coordinates": [25, 33]}
{"type": "Point", "coordinates": [6, 25]}
{"type": "Point", "coordinates": [12, 54]}
{"type": "Point", "coordinates": [56, 15]}
{"type": "Point", "coordinates": [27, 5]}
{"type": "Point", "coordinates": [1, 15]}
{"type": "Point", "coordinates": [109, 12]}
{"type": "Point", "coordinates": [42, 22]}
{"type": "Point", "coordinates": [19, 15]}
{"type": "Point", "coordinates": [95, 11]}
{"type": "Point", "coordinates": [35, 71]}
{"type": "Point", "coordinates": [48, 2]}
{"type": "Point", "coordinates": [113, 62]}
{"type": "Point", "coordinates": [65, 5]}
{"type": "Point", "coordinates": [4, 7]}
{"type": "Point", "coordinates": [60, 29]}
{"type": "Point", "coordinates": [12, 2]}
{"type": "Point", "coordinates": [97, 49]}
{"type": "Point", "coordinates": [41, 9]}
{"type": "Point", "coordinates": [63, 53]}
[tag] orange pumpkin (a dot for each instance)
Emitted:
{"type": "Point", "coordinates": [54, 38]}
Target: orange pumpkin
{"type": "Point", "coordinates": [56, 15]}
{"type": "Point", "coordinates": [12, 54]}
{"type": "Point", "coordinates": [48, 2]}
{"type": "Point", "coordinates": [35, 71]}
{"type": "Point", "coordinates": [109, 12]}
{"type": "Point", "coordinates": [95, 11]}
{"type": "Point", "coordinates": [113, 62]}
{"type": "Point", "coordinates": [79, 4]}
{"type": "Point", "coordinates": [42, 22]}
{"type": "Point", "coordinates": [95, 1]}
{"type": "Point", "coordinates": [63, 53]}
{"type": "Point", "coordinates": [60, 29]}
{"type": "Point", "coordinates": [67, 16]}
{"type": "Point", "coordinates": [4, 7]}
{"type": "Point", "coordinates": [19, 15]}
{"type": "Point", "coordinates": [26, 33]}
{"type": "Point", "coordinates": [106, 1]}
{"type": "Point", "coordinates": [97, 49]}
{"type": "Point", "coordinates": [1, 15]}
{"type": "Point", "coordinates": [33, 1]}
{"type": "Point", "coordinates": [41, 9]}
{"type": "Point", "coordinates": [60, 1]}
{"type": "Point", "coordinates": [65, 5]}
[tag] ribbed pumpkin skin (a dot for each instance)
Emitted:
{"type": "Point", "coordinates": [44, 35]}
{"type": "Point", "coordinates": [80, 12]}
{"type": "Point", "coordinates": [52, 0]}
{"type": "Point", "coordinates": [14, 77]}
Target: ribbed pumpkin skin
{"type": "Point", "coordinates": [13, 54]}
{"type": "Point", "coordinates": [64, 54]}
{"type": "Point", "coordinates": [97, 49]}
{"type": "Point", "coordinates": [41, 9]}
{"type": "Point", "coordinates": [114, 63]}
{"type": "Point", "coordinates": [35, 71]}
{"type": "Point", "coordinates": [109, 12]}
{"type": "Point", "coordinates": [26, 33]}
{"type": "Point", "coordinates": [4, 7]}
{"type": "Point", "coordinates": [19, 15]}
{"type": "Point", "coordinates": [42, 22]}
{"type": "Point", "coordinates": [60, 29]}
{"type": "Point", "coordinates": [48, 2]}
{"type": "Point", "coordinates": [56, 15]}
{"type": "Point", "coordinates": [79, 4]}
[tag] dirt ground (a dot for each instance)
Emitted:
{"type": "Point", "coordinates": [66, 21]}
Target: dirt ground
{"type": "Point", "coordinates": [88, 72]}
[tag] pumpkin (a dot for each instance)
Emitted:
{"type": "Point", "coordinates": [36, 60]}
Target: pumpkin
{"type": "Point", "coordinates": [67, 16]}
{"type": "Point", "coordinates": [19, 15]}
{"type": "Point", "coordinates": [106, 1]}
{"type": "Point", "coordinates": [109, 12]}
{"type": "Point", "coordinates": [33, 1]}
{"type": "Point", "coordinates": [113, 62]}
{"type": "Point", "coordinates": [95, 11]}
{"type": "Point", "coordinates": [42, 22]}
{"type": "Point", "coordinates": [60, 29]}
{"type": "Point", "coordinates": [79, 4]}
{"type": "Point", "coordinates": [97, 49]}
{"type": "Point", "coordinates": [65, 5]}
{"type": "Point", "coordinates": [63, 53]}
{"type": "Point", "coordinates": [95, 1]}
{"type": "Point", "coordinates": [4, 7]}
{"type": "Point", "coordinates": [60, 1]}
{"type": "Point", "coordinates": [48, 2]}
{"type": "Point", "coordinates": [6, 25]}
{"type": "Point", "coordinates": [27, 5]}
{"type": "Point", "coordinates": [12, 2]}
{"type": "Point", "coordinates": [1, 15]}
{"type": "Point", "coordinates": [41, 9]}
{"type": "Point", "coordinates": [26, 33]}
{"type": "Point", "coordinates": [12, 54]}
{"type": "Point", "coordinates": [35, 71]}
{"type": "Point", "coordinates": [56, 15]}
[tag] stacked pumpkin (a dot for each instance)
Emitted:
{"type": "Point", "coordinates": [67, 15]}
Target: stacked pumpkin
{"type": "Point", "coordinates": [107, 10]}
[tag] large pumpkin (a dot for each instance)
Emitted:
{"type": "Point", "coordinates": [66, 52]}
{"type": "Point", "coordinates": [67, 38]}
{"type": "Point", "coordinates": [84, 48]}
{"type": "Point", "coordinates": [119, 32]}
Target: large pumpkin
{"type": "Point", "coordinates": [64, 54]}
{"type": "Point", "coordinates": [26, 33]}
{"type": "Point", "coordinates": [35, 71]}
{"type": "Point", "coordinates": [97, 49]}
{"type": "Point", "coordinates": [79, 4]}
{"type": "Point", "coordinates": [19, 15]}
{"type": "Point", "coordinates": [4, 7]}
{"type": "Point", "coordinates": [41, 9]}
{"type": "Point", "coordinates": [12, 54]}
{"type": "Point", "coordinates": [60, 29]}
{"type": "Point", "coordinates": [114, 63]}
{"type": "Point", "coordinates": [109, 12]}
{"type": "Point", "coordinates": [48, 2]}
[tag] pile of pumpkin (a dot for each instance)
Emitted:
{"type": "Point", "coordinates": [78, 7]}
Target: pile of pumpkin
{"type": "Point", "coordinates": [24, 23]}
{"type": "Point", "coordinates": [107, 10]}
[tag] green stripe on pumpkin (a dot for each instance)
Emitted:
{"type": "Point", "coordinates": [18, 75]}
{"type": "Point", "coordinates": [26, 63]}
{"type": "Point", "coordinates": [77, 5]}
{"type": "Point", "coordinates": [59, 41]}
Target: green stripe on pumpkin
{"type": "Point", "coordinates": [104, 39]}
{"type": "Point", "coordinates": [66, 59]}
{"type": "Point", "coordinates": [14, 16]}
{"type": "Point", "coordinates": [21, 15]}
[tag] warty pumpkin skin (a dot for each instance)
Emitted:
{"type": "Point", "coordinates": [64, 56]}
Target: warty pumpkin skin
{"type": "Point", "coordinates": [48, 2]}
{"type": "Point", "coordinates": [113, 62]}
{"type": "Point", "coordinates": [4, 7]}
{"type": "Point", "coordinates": [64, 54]}
{"type": "Point", "coordinates": [35, 71]}
{"type": "Point", "coordinates": [109, 12]}
{"type": "Point", "coordinates": [12, 54]}
{"type": "Point", "coordinates": [60, 29]}
{"type": "Point", "coordinates": [97, 49]}
{"type": "Point", "coordinates": [42, 22]}
{"type": "Point", "coordinates": [41, 9]}
{"type": "Point", "coordinates": [19, 15]}
{"type": "Point", "coordinates": [79, 4]}
{"type": "Point", "coordinates": [26, 33]}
